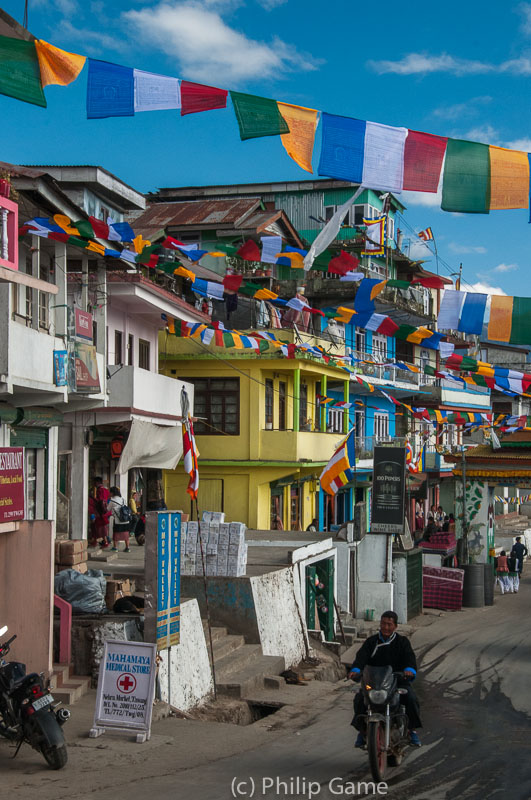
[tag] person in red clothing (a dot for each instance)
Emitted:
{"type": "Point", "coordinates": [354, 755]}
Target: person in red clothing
{"type": "Point", "coordinates": [502, 572]}
{"type": "Point", "coordinates": [102, 496]}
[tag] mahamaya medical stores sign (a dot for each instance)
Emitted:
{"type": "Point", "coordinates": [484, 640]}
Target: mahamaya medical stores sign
{"type": "Point", "coordinates": [11, 484]}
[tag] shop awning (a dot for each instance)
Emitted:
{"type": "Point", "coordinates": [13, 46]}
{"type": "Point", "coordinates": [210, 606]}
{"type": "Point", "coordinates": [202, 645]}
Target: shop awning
{"type": "Point", "coordinates": [151, 446]}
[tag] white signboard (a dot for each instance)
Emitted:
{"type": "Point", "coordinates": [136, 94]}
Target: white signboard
{"type": "Point", "coordinates": [126, 687]}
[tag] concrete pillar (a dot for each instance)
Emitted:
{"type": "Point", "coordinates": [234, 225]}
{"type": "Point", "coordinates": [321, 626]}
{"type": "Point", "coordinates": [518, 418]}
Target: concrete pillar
{"type": "Point", "coordinates": [296, 398]}
{"type": "Point", "coordinates": [60, 301]}
{"type": "Point", "coordinates": [51, 500]}
{"type": "Point", "coordinates": [80, 479]}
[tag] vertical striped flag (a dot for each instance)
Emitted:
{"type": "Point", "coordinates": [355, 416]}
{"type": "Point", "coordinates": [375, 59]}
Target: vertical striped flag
{"type": "Point", "coordinates": [190, 456]}
{"type": "Point", "coordinates": [341, 468]}
{"type": "Point", "coordinates": [426, 235]}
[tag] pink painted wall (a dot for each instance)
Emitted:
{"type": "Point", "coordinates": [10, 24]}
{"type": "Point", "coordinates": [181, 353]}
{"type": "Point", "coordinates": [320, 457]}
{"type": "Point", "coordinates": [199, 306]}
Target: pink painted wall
{"type": "Point", "coordinates": [26, 592]}
{"type": "Point", "coordinates": [12, 234]}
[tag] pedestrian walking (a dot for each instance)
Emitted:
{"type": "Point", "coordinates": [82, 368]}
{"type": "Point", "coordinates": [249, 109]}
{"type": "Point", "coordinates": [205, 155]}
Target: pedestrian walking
{"type": "Point", "coordinates": [514, 577]}
{"type": "Point", "coordinates": [502, 572]}
{"type": "Point", "coordinates": [122, 516]}
{"type": "Point", "coordinates": [520, 551]}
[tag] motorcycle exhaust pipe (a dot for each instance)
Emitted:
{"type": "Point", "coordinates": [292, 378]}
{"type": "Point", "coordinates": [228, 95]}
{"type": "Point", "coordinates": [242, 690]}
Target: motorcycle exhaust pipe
{"type": "Point", "coordinates": [62, 715]}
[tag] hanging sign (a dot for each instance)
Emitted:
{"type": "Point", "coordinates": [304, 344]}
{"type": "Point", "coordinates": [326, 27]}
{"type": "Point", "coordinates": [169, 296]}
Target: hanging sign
{"type": "Point", "coordinates": [388, 495]}
{"type": "Point", "coordinates": [163, 578]}
{"type": "Point", "coordinates": [11, 484]}
{"type": "Point", "coordinates": [87, 376]}
{"type": "Point", "coordinates": [126, 688]}
{"type": "Point", "coordinates": [60, 367]}
{"type": "Point", "coordinates": [83, 325]}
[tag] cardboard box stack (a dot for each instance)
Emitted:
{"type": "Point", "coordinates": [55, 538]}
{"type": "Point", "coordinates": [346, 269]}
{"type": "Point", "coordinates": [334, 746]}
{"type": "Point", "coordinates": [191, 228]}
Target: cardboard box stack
{"type": "Point", "coordinates": [71, 554]}
{"type": "Point", "coordinates": [224, 549]}
{"type": "Point", "coordinates": [116, 589]}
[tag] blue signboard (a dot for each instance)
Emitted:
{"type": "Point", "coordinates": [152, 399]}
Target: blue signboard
{"type": "Point", "coordinates": [60, 364]}
{"type": "Point", "coordinates": [169, 579]}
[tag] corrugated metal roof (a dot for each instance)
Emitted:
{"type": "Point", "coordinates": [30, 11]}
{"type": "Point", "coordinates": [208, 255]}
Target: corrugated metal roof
{"type": "Point", "coordinates": [198, 212]}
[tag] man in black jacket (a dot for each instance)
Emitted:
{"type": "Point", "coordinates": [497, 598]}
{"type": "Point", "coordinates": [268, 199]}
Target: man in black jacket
{"type": "Point", "coordinates": [387, 648]}
{"type": "Point", "coordinates": [519, 551]}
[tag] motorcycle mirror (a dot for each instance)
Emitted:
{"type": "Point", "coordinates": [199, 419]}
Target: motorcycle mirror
{"type": "Point", "coordinates": [3, 630]}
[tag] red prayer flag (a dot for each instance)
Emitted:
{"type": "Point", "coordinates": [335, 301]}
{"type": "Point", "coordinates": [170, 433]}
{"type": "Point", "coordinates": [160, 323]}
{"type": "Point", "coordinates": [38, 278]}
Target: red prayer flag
{"type": "Point", "coordinates": [431, 282]}
{"type": "Point", "coordinates": [343, 263]}
{"type": "Point", "coordinates": [249, 251]}
{"type": "Point", "coordinates": [388, 327]}
{"type": "Point", "coordinates": [195, 97]}
{"type": "Point", "coordinates": [100, 228]}
{"type": "Point", "coordinates": [423, 158]}
{"type": "Point", "coordinates": [58, 237]}
{"type": "Point", "coordinates": [218, 338]}
{"type": "Point", "coordinates": [232, 282]}
{"type": "Point", "coordinates": [170, 243]}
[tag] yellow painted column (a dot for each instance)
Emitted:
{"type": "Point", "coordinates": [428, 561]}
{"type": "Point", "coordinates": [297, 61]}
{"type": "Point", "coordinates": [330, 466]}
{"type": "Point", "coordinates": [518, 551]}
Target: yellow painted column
{"type": "Point", "coordinates": [323, 408]}
{"type": "Point", "coordinates": [296, 398]}
{"type": "Point", "coordinates": [346, 412]}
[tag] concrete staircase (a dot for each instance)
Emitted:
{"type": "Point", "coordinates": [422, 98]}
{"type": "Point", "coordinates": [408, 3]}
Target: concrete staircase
{"type": "Point", "coordinates": [242, 668]}
{"type": "Point", "coordinates": [65, 687]}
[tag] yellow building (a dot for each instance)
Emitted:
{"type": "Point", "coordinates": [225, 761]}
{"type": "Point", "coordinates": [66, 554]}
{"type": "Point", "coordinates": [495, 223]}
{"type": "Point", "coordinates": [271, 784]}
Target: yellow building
{"type": "Point", "coordinates": [260, 432]}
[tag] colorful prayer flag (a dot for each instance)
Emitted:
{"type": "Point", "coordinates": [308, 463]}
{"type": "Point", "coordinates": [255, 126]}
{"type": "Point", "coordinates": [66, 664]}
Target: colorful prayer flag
{"type": "Point", "coordinates": [20, 75]}
{"type": "Point", "coordinates": [190, 457]}
{"type": "Point", "coordinates": [423, 158]}
{"type": "Point", "coordinates": [383, 157]}
{"type": "Point", "coordinates": [195, 98]}
{"type": "Point", "coordinates": [342, 148]}
{"type": "Point", "coordinates": [298, 143]}
{"type": "Point", "coordinates": [155, 92]}
{"type": "Point", "coordinates": [249, 251]}
{"type": "Point", "coordinates": [450, 311]}
{"type": "Point", "coordinates": [473, 313]}
{"type": "Point", "coordinates": [466, 181]}
{"type": "Point", "coordinates": [341, 468]}
{"type": "Point", "coordinates": [57, 66]}
{"type": "Point", "coordinates": [426, 235]}
{"type": "Point", "coordinates": [110, 90]}
{"type": "Point", "coordinates": [257, 116]}
{"type": "Point", "coordinates": [374, 237]}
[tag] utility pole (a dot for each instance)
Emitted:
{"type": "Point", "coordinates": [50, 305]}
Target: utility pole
{"type": "Point", "coordinates": [464, 529]}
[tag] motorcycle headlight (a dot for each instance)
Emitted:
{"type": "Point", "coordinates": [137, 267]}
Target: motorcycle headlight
{"type": "Point", "coordinates": [377, 696]}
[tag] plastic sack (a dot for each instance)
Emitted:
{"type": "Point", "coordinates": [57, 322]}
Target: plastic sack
{"type": "Point", "coordinates": [85, 592]}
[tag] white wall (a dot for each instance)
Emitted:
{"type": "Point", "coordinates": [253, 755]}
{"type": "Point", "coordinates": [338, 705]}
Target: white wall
{"type": "Point", "coordinates": [374, 589]}
{"type": "Point", "coordinates": [120, 320]}
{"type": "Point", "coordinates": [184, 673]}
{"type": "Point", "coordinates": [280, 623]}
{"type": "Point", "coordinates": [343, 574]}
{"type": "Point", "coordinates": [400, 588]}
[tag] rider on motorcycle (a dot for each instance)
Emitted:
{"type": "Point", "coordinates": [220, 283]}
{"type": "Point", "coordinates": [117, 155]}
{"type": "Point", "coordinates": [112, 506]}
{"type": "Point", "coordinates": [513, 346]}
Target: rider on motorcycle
{"type": "Point", "coordinates": [387, 648]}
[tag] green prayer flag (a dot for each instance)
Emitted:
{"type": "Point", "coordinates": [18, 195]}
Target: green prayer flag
{"type": "Point", "coordinates": [84, 228]}
{"type": "Point", "coordinates": [263, 345]}
{"type": "Point", "coordinates": [20, 75]}
{"type": "Point", "coordinates": [168, 267]}
{"type": "Point", "coordinates": [249, 288]}
{"type": "Point", "coordinates": [404, 331]}
{"type": "Point", "coordinates": [257, 116]}
{"type": "Point", "coordinates": [466, 181]}
{"type": "Point", "coordinates": [479, 380]}
{"type": "Point", "coordinates": [521, 322]}
{"type": "Point", "coordinates": [145, 255]}
{"type": "Point", "coordinates": [228, 340]}
{"type": "Point", "coordinates": [396, 284]}
{"type": "Point", "coordinates": [77, 242]}
{"type": "Point", "coordinates": [429, 370]}
{"type": "Point", "coordinates": [469, 364]}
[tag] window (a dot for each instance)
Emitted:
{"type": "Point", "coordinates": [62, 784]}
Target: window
{"type": "Point", "coordinates": [329, 212]}
{"type": "Point", "coordinates": [118, 347]}
{"type": "Point", "coordinates": [359, 425]}
{"type": "Point", "coordinates": [217, 404]}
{"type": "Point", "coordinates": [282, 406]}
{"type": "Point", "coordinates": [144, 358]}
{"type": "Point", "coordinates": [335, 420]}
{"type": "Point", "coordinates": [379, 346]}
{"type": "Point", "coordinates": [44, 275]}
{"type": "Point", "coordinates": [303, 408]}
{"type": "Point", "coordinates": [360, 340]}
{"type": "Point", "coordinates": [381, 427]}
{"type": "Point", "coordinates": [28, 308]}
{"type": "Point", "coordinates": [269, 403]}
{"type": "Point", "coordinates": [130, 350]}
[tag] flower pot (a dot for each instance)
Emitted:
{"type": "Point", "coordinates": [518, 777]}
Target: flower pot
{"type": "Point", "coordinates": [5, 188]}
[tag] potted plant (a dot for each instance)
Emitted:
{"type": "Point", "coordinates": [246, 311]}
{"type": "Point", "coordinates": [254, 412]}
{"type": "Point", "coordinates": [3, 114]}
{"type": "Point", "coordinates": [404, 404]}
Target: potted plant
{"type": "Point", "coordinates": [5, 184]}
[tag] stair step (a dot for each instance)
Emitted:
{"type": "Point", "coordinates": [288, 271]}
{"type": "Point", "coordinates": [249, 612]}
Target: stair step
{"type": "Point", "coordinates": [222, 647]}
{"type": "Point", "coordinates": [237, 660]}
{"type": "Point", "coordinates": [68, 688]}
{"type": "Point", "coordinates": [217, 633]}
{"type": "Point", "coordinates": [251, 677]}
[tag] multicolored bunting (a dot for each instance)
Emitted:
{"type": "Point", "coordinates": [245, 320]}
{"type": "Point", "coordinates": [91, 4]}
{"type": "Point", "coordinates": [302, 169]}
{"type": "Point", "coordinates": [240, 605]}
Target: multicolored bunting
{"type": "Point", "coordinates": [20, 75]}
{"type": "Point", "coordinates": [195, 98]}
{"type": "Point", "coordinates": [374, 237]}
{"type": "Point", "coordinates": [423, 158]}
{"type": "Point", "coordinates": [466, 182]}
{"type": "Point", "coordinates": [341, 469]}
{"type": "Point", "coordinates": [298, 143]}
{"type": "Point", "coordinates": [110, 90]}
{"type": "Point", "coordinates": [427, 235]}
{"type": "Point", "coordinates": [473, 313]}
{"type": "Point", "coordinates": [510, 319]}
{"type": "Point", "coordinates": [190, 457]}
{"type": "Point", "coordinates": [57, 66]}
{"type": "Point", "coordinates": [257, 116]}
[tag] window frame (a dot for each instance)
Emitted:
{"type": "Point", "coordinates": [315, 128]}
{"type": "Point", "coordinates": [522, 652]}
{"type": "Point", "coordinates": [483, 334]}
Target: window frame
{"type": "Point", "coordinates": [269, 403]}
{"type": "Point", "coordinates": [144, 348]}
{"type": "Point", "coordinates": [118, 347]}
{"type": "Point", "coordinates": [206, 388]}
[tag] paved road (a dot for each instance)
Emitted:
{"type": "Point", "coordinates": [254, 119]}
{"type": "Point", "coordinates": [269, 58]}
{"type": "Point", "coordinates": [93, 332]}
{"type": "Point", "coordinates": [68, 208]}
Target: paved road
{"type": "Point", "coordinates": [476, 707]}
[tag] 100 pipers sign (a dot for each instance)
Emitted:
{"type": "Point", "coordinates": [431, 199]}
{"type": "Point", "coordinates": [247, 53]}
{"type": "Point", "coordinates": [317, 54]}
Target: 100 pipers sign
{"type": "Point", "coordinates": [388, 493]}
{"type": "Point", "coordinates": [11, 484]}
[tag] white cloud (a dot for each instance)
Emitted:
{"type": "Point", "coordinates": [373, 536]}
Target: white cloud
{"type": "Point", "coordinates": [484, 288]}
{"type": "Point", "coordinates": [483, 133]}
{"type": "Point", "coordinates": [460, 110]}
{"type": "Point", "coordinates": [525, 11]}
{"type": "Point", "coordinates": [520, 144]}
{"type": "Point", "coordinates": [208, 49]}
{"type": "Point", "coordinates": [64, 7]}
{"type": "Point", "coordinates": [269, 5]}
{"type": "Point", "coordinates": [428, 199]}
{"type": "Point", "coordinates": [424, 63]}
{"type": "Point", "coordinates": [463, 249]}
{"type": "Point", "coordinates": [505, 268]}
{"type": "Point", "coordinates": [93, 41]}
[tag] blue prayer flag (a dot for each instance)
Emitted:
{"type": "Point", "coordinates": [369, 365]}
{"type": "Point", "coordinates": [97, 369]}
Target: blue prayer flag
{"type": "Point", "coordinates": [110, 90]}
{"type": "Point", "coordinates": [343, 144]}
{"type": "Point", "coordinates": [473, 313]}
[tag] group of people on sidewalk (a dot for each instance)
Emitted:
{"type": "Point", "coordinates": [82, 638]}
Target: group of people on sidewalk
{"type": "Point", "coordinates": [437, 521]}
{"type": "Point", "coordinates": [509, 567]}
{"type": "Point", "coordinates": [104, 505]}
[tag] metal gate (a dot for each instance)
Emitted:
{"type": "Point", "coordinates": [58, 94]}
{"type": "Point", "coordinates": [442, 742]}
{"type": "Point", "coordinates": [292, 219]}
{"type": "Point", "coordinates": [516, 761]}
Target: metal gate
{"type": "Point", "coordinates": [414, 583]}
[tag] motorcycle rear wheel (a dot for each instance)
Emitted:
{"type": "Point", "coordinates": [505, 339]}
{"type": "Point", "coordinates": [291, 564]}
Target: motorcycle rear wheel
{"type": "Point", "coordinates": [377, 751]}
{"type": "Point", "coordinates": [55, 757]}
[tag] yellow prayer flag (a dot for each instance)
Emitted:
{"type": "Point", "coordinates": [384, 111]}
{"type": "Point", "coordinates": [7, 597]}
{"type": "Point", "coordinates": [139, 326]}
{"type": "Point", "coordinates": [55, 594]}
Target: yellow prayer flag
{"type": "Point", "coordinates": [65, 223]}
{"type": "Point", "coordinates": [509, 178]}
{"type": "Point", "coordinates": [57, 66]}
{"type": "Point", "coordinates": [139, 243]}
{"type": "Point", "coordinates": [265, 294]}
{"type": "Point", "coordinates": [297, 260]}
{"type": "Point", "coordinates": [377, 288]}
{"type": "Point", "coordinates": [419, 335]}
{"type": "Point", "coordinates": [184, 273]}
{"type": "Point", "coordinates": [298, 143]}
{"type": "Point", "coordinates": [344, 314]}
{"type": "Point", "coordinates": [216, 254]}
{"type": "Point", "coordinates": [95, 247]}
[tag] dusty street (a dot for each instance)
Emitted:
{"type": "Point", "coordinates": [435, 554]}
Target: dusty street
{"type": "Point", "coordinates": [475, 738]}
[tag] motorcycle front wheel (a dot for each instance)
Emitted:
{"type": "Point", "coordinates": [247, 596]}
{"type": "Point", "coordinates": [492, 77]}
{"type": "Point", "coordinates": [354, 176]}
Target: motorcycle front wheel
{"type": "Point", "coordinates": [376, 750]}
{"type": "Point", "coordinates": [56, 757]}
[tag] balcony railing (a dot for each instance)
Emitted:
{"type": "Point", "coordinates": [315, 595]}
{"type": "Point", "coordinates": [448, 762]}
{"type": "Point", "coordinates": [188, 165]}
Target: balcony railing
{"type": "Point", "coordinates": [387, 373]}
{"type": "Point", "coordinates": [365, 445]}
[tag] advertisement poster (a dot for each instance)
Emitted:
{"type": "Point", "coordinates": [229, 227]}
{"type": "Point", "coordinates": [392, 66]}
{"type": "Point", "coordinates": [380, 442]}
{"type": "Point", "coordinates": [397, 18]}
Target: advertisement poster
{"type": "Point", "coordinates": [169, 579]}
{"type": "Point", "coordinates": [83, 325]}
{"type": "Point", "coordinates": [388, 493]}
{"type": "Point", "coordinates": [126, 687]}
{"type": "Point", "coordinates": [60, 367]}
{"type": "Point", "coordinates": [87, 376]}
{"type": "Point", "coordinates": [11, 484]}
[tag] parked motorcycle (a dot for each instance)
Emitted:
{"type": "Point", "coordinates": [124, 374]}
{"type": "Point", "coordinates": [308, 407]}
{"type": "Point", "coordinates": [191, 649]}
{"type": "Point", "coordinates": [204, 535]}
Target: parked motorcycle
{"type": "Point", "coordinates": [386, 720]}
{"type": "Point", "coordinates": [27, 713]}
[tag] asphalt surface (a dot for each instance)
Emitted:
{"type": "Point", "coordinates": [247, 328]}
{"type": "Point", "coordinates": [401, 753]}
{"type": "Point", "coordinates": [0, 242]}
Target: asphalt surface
{"type": "Point", "coordinates": [473, 686]}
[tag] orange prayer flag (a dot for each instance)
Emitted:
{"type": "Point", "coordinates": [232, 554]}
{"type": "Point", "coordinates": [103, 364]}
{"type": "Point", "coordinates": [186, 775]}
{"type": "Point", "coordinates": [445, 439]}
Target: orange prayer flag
{"type": "Point", "coordinates": [501, 318]}
{"type": "Point", "coordinates": [57, 66]}
{"type": "Point", "coordinates": [298, 143]}
{"type": "Point", "coordinates": [509, 178]}
{"type": "Point", "coordinates": [296, 259]}
{"type": "Point", "coordinates": [377, 288]}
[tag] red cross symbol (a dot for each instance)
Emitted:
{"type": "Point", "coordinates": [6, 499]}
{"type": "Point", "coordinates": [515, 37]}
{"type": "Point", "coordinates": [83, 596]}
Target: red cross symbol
{"type": "Point", "coordinates": [126, 683]}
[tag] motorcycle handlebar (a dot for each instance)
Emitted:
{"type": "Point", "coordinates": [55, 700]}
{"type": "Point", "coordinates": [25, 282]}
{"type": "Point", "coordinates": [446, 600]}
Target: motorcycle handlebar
{"type": "Point", "coordinates": [5, 646]}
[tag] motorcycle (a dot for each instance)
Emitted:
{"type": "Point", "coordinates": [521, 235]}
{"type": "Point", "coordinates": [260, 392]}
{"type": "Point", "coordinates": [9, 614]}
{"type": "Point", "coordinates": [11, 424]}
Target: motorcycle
{"type": "Point", "coordinates": [27, 713]}
{"type": "Point", "coordinates": [387, 734]}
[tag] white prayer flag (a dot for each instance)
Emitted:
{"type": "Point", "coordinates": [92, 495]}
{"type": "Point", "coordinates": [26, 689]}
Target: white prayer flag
{"type": "Point", "coordinates": [383, 160]}
{"type": "Point", "coordinates": [450, 310]}
{"type": "Point", "coordinates": [156, 92]}
{"type": "Point", "coordinates": [330, 230]}
{"type": "Point", "coordinates": [271, 245]}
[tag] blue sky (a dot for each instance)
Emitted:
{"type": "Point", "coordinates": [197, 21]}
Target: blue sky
{"type": "Point", "coordinates": [461, 71]}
